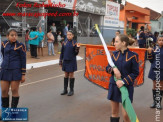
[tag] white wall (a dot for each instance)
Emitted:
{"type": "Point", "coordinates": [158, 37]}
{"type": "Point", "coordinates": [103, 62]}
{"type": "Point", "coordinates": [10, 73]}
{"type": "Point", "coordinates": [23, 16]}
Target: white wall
{"type": "Point", "coordinates": [155, 26]}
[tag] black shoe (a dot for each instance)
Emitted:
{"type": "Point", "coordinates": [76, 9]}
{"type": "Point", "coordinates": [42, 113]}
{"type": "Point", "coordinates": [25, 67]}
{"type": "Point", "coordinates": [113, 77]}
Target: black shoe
{"type": "Point", "coordinates": [64, 92]}
{"type": "Point", "coordinates": [65, 86]}
{"type": "Point", "coordinates": [70, 93]}
{"type": "Point", "coordinates": [15, 101]}
{"type": "Point", "coordinates": [154, 102]}
{"type": "Point", "coordinates": [72, 80]}
{"type": "Point", "coordinates": [114, 119]}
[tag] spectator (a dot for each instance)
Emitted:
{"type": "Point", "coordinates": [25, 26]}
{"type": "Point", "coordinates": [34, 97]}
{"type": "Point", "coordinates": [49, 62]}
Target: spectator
{"type": "Point", "coordinates": [50, 43]}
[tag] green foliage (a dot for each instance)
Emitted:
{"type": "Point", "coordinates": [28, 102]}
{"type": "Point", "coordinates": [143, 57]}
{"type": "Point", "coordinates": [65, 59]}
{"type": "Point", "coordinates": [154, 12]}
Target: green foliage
{"type": "Point", "coordinates": [131, 32]}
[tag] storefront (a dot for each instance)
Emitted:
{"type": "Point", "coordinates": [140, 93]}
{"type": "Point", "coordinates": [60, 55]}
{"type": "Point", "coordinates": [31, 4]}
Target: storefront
{"type": "Point", "coordinates": [134, 16]}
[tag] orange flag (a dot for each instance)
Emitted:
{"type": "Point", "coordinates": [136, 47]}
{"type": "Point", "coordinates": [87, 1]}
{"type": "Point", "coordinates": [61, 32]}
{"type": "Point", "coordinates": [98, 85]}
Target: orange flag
{"type": "Point", "coordinates": [96, 62]}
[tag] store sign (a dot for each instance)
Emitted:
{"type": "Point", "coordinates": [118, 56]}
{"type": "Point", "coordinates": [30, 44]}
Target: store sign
{"type": "Point", "coordinates": [91, 6]}
{"type": "Point", "coordinates": [112, 14]}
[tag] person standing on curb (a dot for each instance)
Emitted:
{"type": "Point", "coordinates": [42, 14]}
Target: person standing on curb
{"type": "Point", "coordinates": [59, 39]}
{"type": "Point", "coordinates": [41, 37]}
{"type": "Point", "coordinates": [54, 31]}
{"type": "Point", "coordinates": [50, 43]}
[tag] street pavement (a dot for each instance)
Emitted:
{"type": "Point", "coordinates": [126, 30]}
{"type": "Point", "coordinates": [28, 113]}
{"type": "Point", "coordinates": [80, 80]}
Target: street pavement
{"type": "Point", "coordinates": [41, 94]}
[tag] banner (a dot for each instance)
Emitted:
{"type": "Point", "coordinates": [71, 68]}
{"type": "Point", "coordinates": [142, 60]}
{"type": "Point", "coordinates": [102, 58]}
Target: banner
{"type": "Point", "coordinates": [96, 62]}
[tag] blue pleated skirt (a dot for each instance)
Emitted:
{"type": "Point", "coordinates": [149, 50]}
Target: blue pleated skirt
{"type": "Point", "coordinates": [10, 74]}
{"type": "Point", "coordinates": [114, 93]}
{"type": "Point", "coordinates": [152, 75]}
{"type": "Point", "coordinates": [69, 65]}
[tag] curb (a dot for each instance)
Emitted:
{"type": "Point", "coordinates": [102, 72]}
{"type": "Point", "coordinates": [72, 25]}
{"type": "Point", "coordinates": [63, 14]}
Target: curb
{"type": "Point", "coordinates": [45, 63]}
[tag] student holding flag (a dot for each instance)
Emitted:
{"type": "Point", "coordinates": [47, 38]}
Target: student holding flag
{"type": "Point", "coordinates": [155, 57]}
{"type": "Point", "coordinates": [127, 69]}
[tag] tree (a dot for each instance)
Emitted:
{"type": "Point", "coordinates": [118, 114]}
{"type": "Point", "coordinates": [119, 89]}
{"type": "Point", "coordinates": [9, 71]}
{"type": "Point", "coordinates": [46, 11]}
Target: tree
{"type": "Point", "coordinates": [131, 32]}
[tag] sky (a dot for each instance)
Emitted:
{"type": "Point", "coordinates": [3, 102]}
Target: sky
{"type": "Point", "coordinates": [156, 5]}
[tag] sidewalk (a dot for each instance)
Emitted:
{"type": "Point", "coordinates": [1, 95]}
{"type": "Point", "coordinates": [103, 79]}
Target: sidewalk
{"type": "Point", "coordinates": [46, 60]}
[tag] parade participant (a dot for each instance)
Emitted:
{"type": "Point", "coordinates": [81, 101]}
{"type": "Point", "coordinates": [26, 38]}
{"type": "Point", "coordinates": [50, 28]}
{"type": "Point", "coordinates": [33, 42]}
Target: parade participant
{"type": "Point", "coordinates": [69, 51]}
{"type": "Point", "coordinates": [50, 43]}
{"type": "Point", "coordinates": [155, 57]}
{"type": "Point", "coordinates": [59, 39]}
{"type": "Point", "coordinates": [34, 42]}
{"type": "Point", "coordinates": [26, 40]}
{"type": "Point", "coordinates": [127, 69]}
{"type": "Point", "coordinates": [142, 38]}
{"type": "Point", "coordinates": [155, 36]}
{"type": "Point", "coordinates": [41, 37]}
{"type": "Point", "coordinates": [13, 68]}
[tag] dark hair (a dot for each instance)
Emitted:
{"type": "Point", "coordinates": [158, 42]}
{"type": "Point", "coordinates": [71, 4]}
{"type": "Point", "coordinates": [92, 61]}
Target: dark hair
{"type": "Point", "coordinates": [49, 29]}
{"type": "Point", "coordinates": [119, 31]}
{"type": "Point", "coordinates": [161, 32]}
{"type": "Point", "coordinates": [27, 31]}
{"type": "Point", "coordinates": [142, 27]}
{"type": "Point", "coordinates": [9, 31]}
{"type": "Point", "coordinates": [59, 32]}
{"type": "Point", "coordinates": [71, 31]}
{"type": "Point", "coordinates": [125, 38]}
{"type": "Point", "coordinates": [33, 28]}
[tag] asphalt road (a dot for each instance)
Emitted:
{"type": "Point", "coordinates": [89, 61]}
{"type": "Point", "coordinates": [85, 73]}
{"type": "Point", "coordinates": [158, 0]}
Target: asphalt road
{"type": "Point", "coordinates": [41, 94]}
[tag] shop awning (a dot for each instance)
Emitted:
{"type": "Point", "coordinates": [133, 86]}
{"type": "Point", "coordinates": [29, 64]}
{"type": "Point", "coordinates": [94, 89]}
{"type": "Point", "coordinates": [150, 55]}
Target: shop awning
{"type": "Point", "coordinates": [137, 21]}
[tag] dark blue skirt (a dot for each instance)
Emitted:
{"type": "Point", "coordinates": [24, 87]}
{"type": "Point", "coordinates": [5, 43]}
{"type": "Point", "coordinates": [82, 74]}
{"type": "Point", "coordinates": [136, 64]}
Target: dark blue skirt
{"type": "Point", "coordinates": [69, 65]}
{"type": "Point", "coordinates": [10, 74]}
{"type": "Point", "coordinates": [152, 74]}
{"type": "Point", "coordinates": [114, 93]}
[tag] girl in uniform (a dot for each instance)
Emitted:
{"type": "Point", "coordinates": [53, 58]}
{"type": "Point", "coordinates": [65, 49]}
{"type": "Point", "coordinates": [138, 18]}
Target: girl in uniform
{"type": "Point", "coordinates": [155, 57]}
{"type": "Point", "coordinates": [127, 69]}
{"type": "Point", "coordinates": [13, 68]}
{"type": "Point", "coordinates": [69, 51]}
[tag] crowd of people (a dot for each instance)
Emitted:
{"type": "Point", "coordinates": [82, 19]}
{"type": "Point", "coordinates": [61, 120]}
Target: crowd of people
{"type": "Point", "coordinates": [35, 40]}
